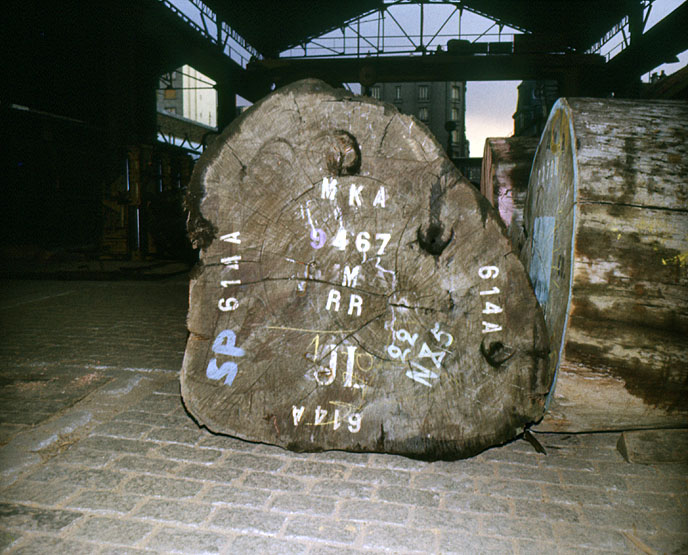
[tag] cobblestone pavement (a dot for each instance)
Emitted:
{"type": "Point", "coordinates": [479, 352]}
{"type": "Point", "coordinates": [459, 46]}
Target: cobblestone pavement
{"type": "Point", "coordinates": [98, 455]}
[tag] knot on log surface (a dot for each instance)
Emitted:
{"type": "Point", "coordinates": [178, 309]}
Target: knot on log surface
{"type": "Point", "coordinates": [317, 319]}
{"type": "Point", "coordinates": [431, 241]}
{"type": "Point", "coordinates": [343, 154]}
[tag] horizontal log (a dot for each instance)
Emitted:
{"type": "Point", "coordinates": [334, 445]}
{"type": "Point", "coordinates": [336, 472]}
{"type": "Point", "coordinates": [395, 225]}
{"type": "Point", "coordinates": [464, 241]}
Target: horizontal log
{"type": "Point", "coordinates": [606, 222]}
{"type": "Point", "coordinates": [354, 291]}
{"type": "Point", "coordinates": [504, 179]}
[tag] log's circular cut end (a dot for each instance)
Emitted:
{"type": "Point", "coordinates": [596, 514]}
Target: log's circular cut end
{"type": "Point", "coordinates": [379, 309]}
{"type": "Point", "coordinates": [550, 220]}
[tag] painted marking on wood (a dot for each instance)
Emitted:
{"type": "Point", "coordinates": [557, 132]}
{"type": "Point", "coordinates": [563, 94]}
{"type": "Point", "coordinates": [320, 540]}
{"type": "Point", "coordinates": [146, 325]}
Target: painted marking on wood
{"type": "Point", "coordinates": [224, 344]}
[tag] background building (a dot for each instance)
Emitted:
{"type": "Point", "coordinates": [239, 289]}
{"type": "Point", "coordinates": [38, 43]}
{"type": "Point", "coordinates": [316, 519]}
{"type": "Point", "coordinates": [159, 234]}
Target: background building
{"type": "Point", "coordinates": [186, 92]}
{"type": "Point", "coordinates": [440, 105]}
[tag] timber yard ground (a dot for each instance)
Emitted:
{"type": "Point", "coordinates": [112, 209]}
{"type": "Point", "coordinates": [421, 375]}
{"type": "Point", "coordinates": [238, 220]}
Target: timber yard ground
{"type": "Point", "coordinates": [99, 456]}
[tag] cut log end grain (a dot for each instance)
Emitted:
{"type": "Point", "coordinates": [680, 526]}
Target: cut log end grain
{"type": "Point", "coordinates": [606, 222]}
{"type": "Point", "coordinates": [354, 291]}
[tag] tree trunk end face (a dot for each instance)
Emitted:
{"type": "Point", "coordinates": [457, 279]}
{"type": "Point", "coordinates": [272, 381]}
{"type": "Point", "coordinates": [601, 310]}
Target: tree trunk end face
{"type": "Point", "coordinates": [354, 291]}
{"type": "Point", "coordinates": [606, 221]}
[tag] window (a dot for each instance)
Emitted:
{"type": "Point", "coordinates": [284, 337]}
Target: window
{"type": "Point", "coordinates": [423, 93]}
{"type": "Point", "coordinates": [455, 114]}
{"type": "Point", "coordinates": [423, 114]}
{"type": "Point", "coordinates": [375, 92]}
{"type": "Point", "coordinates": [456, 92]}
{"type": "Point", "coordinates": [170, 110]}
{"type": "Point", "coordinates": [397, 92]}
{"type": "Point", "coordinates": [455, 136]}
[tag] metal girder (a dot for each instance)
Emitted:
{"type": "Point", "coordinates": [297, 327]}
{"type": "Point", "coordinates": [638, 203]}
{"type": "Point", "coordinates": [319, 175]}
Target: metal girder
{"type": "Point", "coordinates": [656, 46]}
{"type": "Point", "coordinates": [438, 67]}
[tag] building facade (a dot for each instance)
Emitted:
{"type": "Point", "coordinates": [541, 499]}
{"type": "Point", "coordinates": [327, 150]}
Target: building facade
{"type": "Point", "coordinates": [188, 93]}
{"type": "Point", "coordinates": [439, 105]}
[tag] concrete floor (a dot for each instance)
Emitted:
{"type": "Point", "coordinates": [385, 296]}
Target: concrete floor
{"type": "Point", "coordinates": [97, 455]}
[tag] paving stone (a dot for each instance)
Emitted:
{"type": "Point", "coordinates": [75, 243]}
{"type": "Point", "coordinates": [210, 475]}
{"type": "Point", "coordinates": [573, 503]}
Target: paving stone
{"type": "Point", "coordinates": [459, 521]}
{"type": "Point", "coordinates": [530, 458]}
{"type": "Point", "coordinates": [535, 547]}
{"type": "Point", "coordinates": [316, 469]}
{"type": "Point", "coordinates": [469, 543]}
{"type": "Point", "coordinates": [96, 478]}
{"type": "Point", "coordinates": [342, 489]}
{"type": "Point", "coordinates": [146, 465]}
{"type": "Point", "coordinates": [174, 435]}
{"type": "Point", "coordinates": [526, 528]}
{"type": "Point", "coordinates": [475, 503]}
{"type": "Point", "coordinates": [263, 480]}
{"type": "Point", "coordinates": [658, 484]}
{"type": "Point", "coordinates": [159, 420]}
{"type": "Point", "coordinates": [380, 476]}
{"type": "Point", "coordinates": [375, 512]}
{"type": "Point", "coordinates": [168, 510]}
{"type": "Point", "coordinates": [265, 544]}
{"type": "Point", "coordinates": [245, 461]}
{"type": "Point", "coordinates": [156, 402]}
{"type": "Point", "coordinates": [206, 473]}
{"type": "Point", "coordinates": [171, 540]}
{"type": "Point", "coordinates": [631, 500]}
{"type": "Point", "coordinates": [576, 495]}
{"type": "Point", "coordinates": [669, 522]}
{"type": "Point", "coordinates": [415, 497]}
{"type": "Point", "coordinates": [40, 545]}
{"type": "Point", "coordinates": [594, 480]}
{"type": "Point", "coordinates": [343, 457]}
{"type": "Point", "coordinates": [589, 537]}
{"type": "Point", "coordinates": [186, 453]}
{"type": "Point", "coordinates": [100, 500]}
{"type": "Point", "coordinates": [118, 445]}
{"type": "Point", "coordinates": [624, 468]}
{"type": "Point", "coordinates": [162, 487]}
{"type": "Point", "coordinates": [226, 443]}
{"type": "Point", "coordinates": [512, 489]}
{"type": "Point", "coordinates": [568, 462]}
{"type": "Point", "coordinates": [340, 531]}
{"type": "Point", "coordinates": [323, 549]}
{"type": "Point", "coordinates": [619, 519]}
{"type": "Point", "coordinates": [126, 430]}
{"type": "Point", "coordinates": [523, 472]}
{"type": "Point", "coordinates": [442, 482]}
{"type": "Point", "coordinates": [232, 495]}
{"type": "Point", "coordinates": [112, 530]}
{"type": "Point", "coordinates": [78, 455]}
{"type": "Point", "coordinates": [21, 517]}
{"type": "Point", "coordinates": [305, 504]}
{"type": "Point", "coordinates": [241, 519]}
{"type": "Point", "coordinates": [396, 462]}
{"type": "Point", "coordinates": [38, 493]}
{"type": "Point", "coordinates": [398, 538]}
{"type": "Point", "coordinates": [673, 544]}
{"type": "Point", "coordinates": [551, 512]}
{"type": "Point", "coordinates": [8, 538]}
{"type": "Point", "coordinates": [469, 467]}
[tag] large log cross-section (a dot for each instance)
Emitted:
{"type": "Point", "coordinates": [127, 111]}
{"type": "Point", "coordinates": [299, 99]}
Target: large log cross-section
{"type": "Point", "coordinates": [354, 291]}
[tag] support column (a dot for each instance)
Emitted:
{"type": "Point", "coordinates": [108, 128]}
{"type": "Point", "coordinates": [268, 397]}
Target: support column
{"type": "Point", "coordinates": [226, 104]}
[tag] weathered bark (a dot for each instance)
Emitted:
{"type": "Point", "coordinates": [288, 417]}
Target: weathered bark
{"type": "Point", "coordinates": [354, 290]}
{"type": "Point", "coordinates": [606, 222]}
{"type": "Point", "coordinates": [504, 179]}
